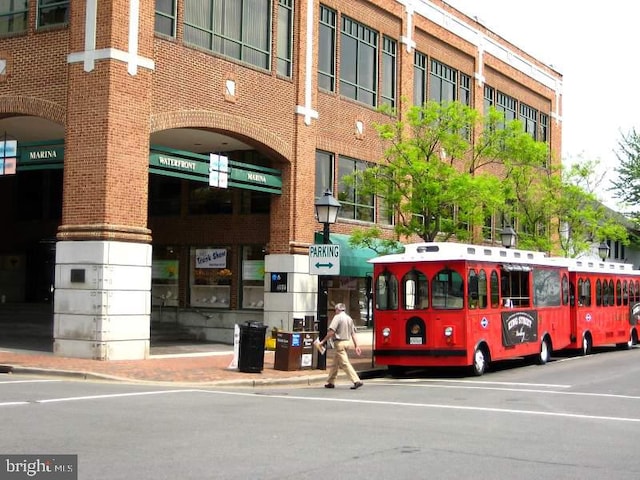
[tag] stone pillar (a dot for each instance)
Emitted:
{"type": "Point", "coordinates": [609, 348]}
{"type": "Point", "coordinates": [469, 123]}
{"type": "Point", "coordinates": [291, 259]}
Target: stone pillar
{"type": "Point", "coordinates": [103, 258]}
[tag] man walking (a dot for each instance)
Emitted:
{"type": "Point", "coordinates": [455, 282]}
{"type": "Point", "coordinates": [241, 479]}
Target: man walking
{"type": "Point", "coordinates": [342, 331]}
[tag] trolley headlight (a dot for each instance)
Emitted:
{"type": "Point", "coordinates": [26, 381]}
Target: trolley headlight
{"type": "Point", "coordinates": [448, 332]}
{"type": "Point", "coordinates": [386, 332]}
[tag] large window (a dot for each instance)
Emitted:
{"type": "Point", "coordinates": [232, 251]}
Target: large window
{"type": "Point", "coordinates": [419, 79]}
{"type": "Point", "coordinates": [165, 20]}
{"type": "Point", "coordinates": [529, 119]}
{"type": "Point", "coordinates": [443, 80]}
{"type": "Point", "coordinates": [506, 105]}
{"type": "Point", "coordinates": [239, 29]}
{"type": "Point", "coordinates": [13, 16]}
{"type": "Point", "coordinates": [324, 173]}
{"type": "Point", "coordinates": [327, 49]}
{"type": "Point", "coordinates": [388, 93]}
{"type": "Point", "coordinates": [358, 54]}
{"type": "Point", "coordinates": [285, 37]}
{"type": "Point", "coordinates": [53, 12]}
{"type": "Point", "coordinates": [355, 204]}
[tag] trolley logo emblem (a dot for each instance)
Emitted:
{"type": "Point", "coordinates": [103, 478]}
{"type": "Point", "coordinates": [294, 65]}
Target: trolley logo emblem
{"type": "Point", "coordinates": [484, 323]}
{"type": "Point", "coordinates": [587, 317]}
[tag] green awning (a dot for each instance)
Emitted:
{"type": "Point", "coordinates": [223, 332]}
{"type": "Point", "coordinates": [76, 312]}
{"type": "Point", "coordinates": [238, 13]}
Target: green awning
{"type": "Point", "coordinates": [353, 261]}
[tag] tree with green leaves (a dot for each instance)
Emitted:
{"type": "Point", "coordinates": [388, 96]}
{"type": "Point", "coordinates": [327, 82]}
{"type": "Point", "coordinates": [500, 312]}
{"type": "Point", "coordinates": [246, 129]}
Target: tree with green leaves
{"type": "Point", "coordinates": [582, 219]}
{"type": "Point", "coordinates": [438, 181]}
{"type": "Point", "coordinates": [627, 186]}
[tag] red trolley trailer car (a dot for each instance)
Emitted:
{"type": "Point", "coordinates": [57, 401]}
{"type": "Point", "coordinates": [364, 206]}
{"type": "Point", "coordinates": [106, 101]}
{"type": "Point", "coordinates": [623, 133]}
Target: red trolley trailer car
{"type": "Point", "coordinates": [605, 304]}
{"type": "Point", "coordinates": [448, 304]}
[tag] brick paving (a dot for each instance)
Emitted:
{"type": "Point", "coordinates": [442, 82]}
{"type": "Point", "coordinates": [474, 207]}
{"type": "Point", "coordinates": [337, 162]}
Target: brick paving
{"type": "Point", "coordinates": [210, 365]}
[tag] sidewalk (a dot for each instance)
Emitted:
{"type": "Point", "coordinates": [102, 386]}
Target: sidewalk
{"type": "Point", "coordinates": [202, 364]}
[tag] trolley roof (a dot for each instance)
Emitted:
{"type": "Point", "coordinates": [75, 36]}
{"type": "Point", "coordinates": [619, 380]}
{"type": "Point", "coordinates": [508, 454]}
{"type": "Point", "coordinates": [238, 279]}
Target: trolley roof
{"type": "Point", "coordinates": [439, 251]}
{"type": "Point", "coordinates": [443, 251]}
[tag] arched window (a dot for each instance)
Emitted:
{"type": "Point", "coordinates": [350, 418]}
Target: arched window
{"type": "Point", "coordinates": [472, 286]}
{"type": "Point", "coordinates": [565, 290]}
{"type": "Point", "coordinates": [495, 290]}
{"type": "Point", "coordinates": [598, 292]}
{"type": "Point", "coordinates": [611, 296]}
{"type": "Point", "coordinates": [386, 291]}
{"type": "Point", "coordinates": [416, 290]}
{"type": "Point", "coordinates": [625, 293]}
{"type": "Point", "coordinates": [482, 289]}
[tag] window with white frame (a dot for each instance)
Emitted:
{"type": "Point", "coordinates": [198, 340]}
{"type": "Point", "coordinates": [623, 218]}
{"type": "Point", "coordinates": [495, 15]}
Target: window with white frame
{"type": "Point", "coordinates": [443, 80]}
{"type": "Point", "coordinates": [419, 78]}
{"type": "Point", "coordinates": [529, 119]}
{"type": "Point", "coordinates": [388, 88]}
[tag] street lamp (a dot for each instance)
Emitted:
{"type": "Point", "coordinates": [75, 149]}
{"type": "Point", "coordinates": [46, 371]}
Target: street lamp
{"type": "Point", "coordinates": [508, 237]}
{"type": "Point", "coordinates": [603, 250]}
{"type": "Point", "coordinates": [327, 208]}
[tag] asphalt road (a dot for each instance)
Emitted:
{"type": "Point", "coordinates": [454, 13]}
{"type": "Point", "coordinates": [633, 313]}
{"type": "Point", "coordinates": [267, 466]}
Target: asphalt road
{"type": "Point", "coordinates": [573, 418]}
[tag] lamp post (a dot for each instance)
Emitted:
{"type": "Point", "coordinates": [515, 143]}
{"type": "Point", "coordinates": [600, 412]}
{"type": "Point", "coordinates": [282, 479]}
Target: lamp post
{"type": "Point", "coordinates": [508, 237]}
{"type": "Point", "coordinates": [603, 250]}
{"type": "Point", "coordinates": [327, 208]}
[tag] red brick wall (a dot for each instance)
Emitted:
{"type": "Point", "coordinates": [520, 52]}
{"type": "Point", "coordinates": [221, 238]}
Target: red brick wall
{"type": "Point", "coordinates": [110, 114]}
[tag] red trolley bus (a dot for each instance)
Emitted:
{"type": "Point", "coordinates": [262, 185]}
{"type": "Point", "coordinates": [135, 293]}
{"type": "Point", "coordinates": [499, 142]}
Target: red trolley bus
{"type": "Point", "coordinates": [606, 305]}
{"type": "Point", "coordinates": [449, 304]}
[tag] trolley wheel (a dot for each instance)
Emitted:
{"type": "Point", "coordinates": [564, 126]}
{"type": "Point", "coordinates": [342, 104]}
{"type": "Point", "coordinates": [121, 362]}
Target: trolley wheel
{"type": "Point", "coordinates": [587, 344]}
{"type": "Point", "coordinates": [627, 345]}
{"type": "Point", "coordinates": [545, 352]}
{"type": "Point", "coordinates": [480, 361]}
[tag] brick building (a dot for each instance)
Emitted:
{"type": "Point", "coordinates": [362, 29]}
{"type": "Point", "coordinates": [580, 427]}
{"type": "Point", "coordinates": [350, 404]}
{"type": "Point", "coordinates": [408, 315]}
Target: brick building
{"type": "Point", "coordinates": [118, 116]}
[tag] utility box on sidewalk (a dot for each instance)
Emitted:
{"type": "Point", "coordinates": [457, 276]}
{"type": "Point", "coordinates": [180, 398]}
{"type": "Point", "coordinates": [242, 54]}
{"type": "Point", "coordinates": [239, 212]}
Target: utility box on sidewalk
{"type": "Point", "coordinates": [251, 348]}
{"type": "Point", "coordinates": [294, 351]}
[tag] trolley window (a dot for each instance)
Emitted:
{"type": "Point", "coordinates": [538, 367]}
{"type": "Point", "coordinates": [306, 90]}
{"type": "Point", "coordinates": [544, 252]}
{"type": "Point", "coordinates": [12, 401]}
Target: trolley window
{"type": "Point", "coordinates": [515, 286]}
{"type": "Point", "coordinates": [416, 290]}
{"type": "Point", "coordinates": [546, 287]}
{"type": "Point", "coordinates": [618, 293]}
{"type": "Point", "coordinates": [495, 290]}
{"type": "Point", "coordinates": [611, 296]}
{"type": "Point", "coordinates": [386, 291]}
{"type": "Point", "coordinates": [565, 290]}
{"type": "Point", "coordinates": [477, 286]}
{"type": "Point", "coordinates": [447, 290]}
{"type": "Point", "coordinates": [598, 293]}
{"type": "Point", "coordinates": [584, 293]}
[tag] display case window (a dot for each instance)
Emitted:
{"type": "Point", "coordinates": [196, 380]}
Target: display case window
{"type": "Point", "coordinates": [253, 277]}
{"type": "Point", "coordinates": [210, 277]}
{"type": "Point", "coordinates": [165, 273]}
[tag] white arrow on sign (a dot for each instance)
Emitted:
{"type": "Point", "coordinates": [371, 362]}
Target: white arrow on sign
{"type": "Point", "coordinates": [324, 259]}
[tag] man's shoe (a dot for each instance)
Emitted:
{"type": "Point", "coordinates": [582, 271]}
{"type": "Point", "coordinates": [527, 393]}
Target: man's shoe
{"type": "Point", "coordinates": [356, 385]}
{"type": "Point", "coordinates": [329, 385]}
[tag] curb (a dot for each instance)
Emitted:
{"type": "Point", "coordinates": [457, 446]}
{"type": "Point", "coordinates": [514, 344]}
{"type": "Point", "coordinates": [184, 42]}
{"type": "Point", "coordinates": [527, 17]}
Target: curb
{"type": "Point", "coordinates": [252, 383]}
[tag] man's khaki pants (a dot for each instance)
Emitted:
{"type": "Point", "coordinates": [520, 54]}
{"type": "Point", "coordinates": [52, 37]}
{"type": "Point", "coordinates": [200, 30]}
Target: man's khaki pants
{"type": "Point", "coordinates": [341, 361]}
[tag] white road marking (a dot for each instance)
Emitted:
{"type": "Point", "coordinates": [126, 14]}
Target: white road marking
{"type": "Point", "coordinates": [435, 406]}
{"type": "Point", "coordinates": [525, 390]}
{"type": "Point", "coordinates": [6, 382]}
{"type": "Point", "coordinates": [477, 382]}
{"type": "Point", "coordinates": [8, 404]}
{"type": "Point", "coordinates": [112, 395]}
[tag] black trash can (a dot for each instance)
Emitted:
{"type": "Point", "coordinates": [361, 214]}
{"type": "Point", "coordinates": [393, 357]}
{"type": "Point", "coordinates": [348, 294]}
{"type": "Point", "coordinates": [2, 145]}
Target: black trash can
{"type": "Point", "coordinates": [251, 348]}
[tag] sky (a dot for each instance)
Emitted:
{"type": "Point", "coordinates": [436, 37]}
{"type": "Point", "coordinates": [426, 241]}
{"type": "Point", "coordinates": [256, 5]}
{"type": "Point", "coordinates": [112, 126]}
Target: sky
{"type": "Point", "coordinates": [594, 46]}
